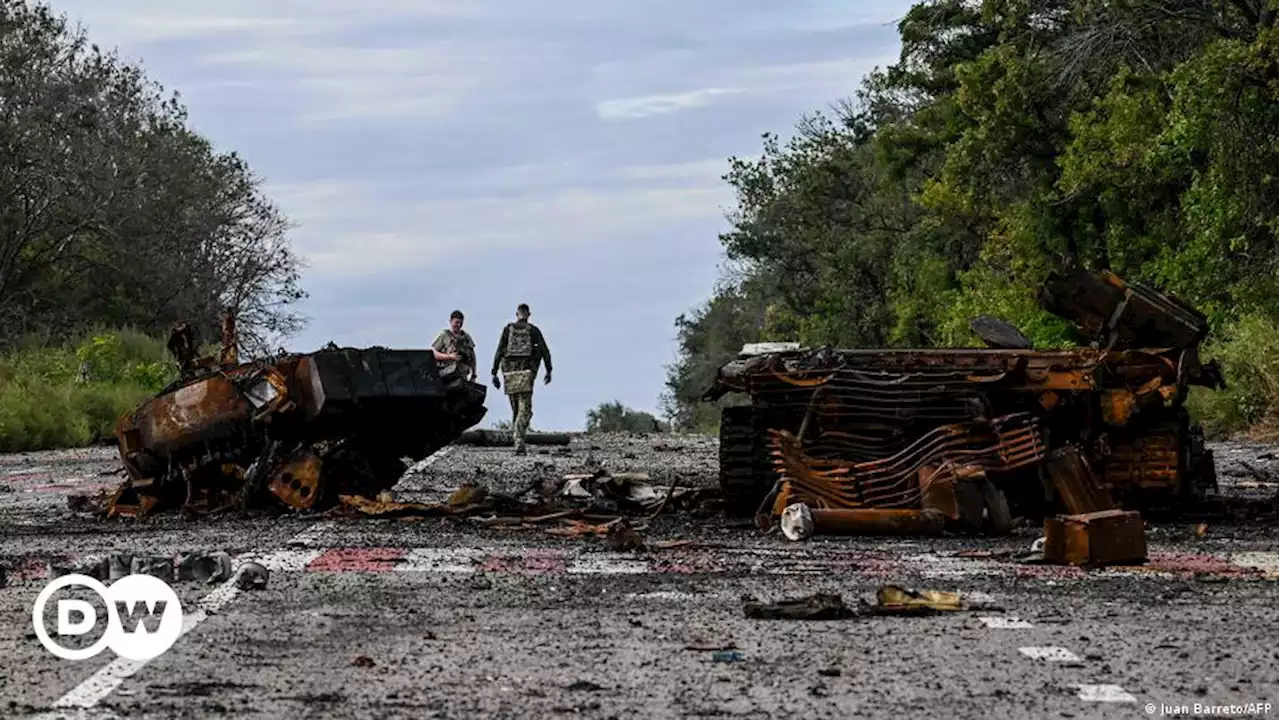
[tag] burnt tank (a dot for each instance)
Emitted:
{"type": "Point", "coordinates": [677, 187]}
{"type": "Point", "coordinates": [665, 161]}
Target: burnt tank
{"type": "Point", "coordinates": [297, 430]}
{"type": "Point", "coordinates": [875, 428]}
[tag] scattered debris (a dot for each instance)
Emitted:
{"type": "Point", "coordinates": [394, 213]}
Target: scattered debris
{"type": "Point", "coordinates": [583, 686]}
{"type": "Point", "coordinates": [890, 600]}
{"type": "Point", "coordinates": [155, 565]}
{"type": "Point", "coordinates": [723, 647]}
{"type": "Point", "coordinates": [820, 606]}
{"type": "Point", "coordinates": [251, 576]}
{"type": "Point", "coordinates": [829, 672]}
{"type": "Point", "coordinates": [119, 565]}
{"type": "Point", "coordinates": [1108, 537]}
{"type": "Point", "coordinates": [796, 522]}
{"type": "Point", "coordinates": [727, 656]}
{"type": "Point", "coordinates": [362, 661]}
{"type": "Point", "coordinates": [95, 504]}
{"type": "Point", "coordinates": [621, 537]}
{"type": "Point", "coordinates": [896, 600]}
{"type": "Point", "coordinates": [208, 569]}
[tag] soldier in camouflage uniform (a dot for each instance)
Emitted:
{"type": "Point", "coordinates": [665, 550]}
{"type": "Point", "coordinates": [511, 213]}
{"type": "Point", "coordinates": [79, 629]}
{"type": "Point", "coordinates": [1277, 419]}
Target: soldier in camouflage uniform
{"type": "Point", "coordinates": [521, 349]}
{"type": "Point", "coordinates": [455, 340]}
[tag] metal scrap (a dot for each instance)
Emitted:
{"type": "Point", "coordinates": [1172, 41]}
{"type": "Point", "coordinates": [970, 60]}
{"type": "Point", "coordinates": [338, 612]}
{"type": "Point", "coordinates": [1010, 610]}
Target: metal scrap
{"type": "Point", "coordinates": [966, 432]}
{"type": "Point", "coordinates": [296, 431]}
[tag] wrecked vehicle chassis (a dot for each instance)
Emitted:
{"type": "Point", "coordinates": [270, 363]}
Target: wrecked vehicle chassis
{"type": "Point", "coordinates": [299, 428]}
{"type": "Point", "coordinates": [1122, 408]}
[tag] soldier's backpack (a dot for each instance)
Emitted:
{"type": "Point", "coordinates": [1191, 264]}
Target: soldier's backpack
{"type": "Point", "coordinates": [519, 340]}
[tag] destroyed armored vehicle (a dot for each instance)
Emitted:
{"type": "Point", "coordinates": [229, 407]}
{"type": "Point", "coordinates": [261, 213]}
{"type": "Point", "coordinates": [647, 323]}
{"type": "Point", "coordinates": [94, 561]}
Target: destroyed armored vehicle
{"type": "Point", "coordinates": [955, 428]}
{"type": "Point", "coordinates": [296, 429]}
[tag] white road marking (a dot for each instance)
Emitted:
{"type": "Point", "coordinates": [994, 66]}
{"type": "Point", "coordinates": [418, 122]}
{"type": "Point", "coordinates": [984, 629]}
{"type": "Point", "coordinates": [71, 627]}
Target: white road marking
{"type": "Point", "coordinates": [1104, 693]}
{"type": "Point", "coordinates": [441, 560]}
{"type": "Point", "coordinates": [668, 595]}
{"type": "Point", "coordinates": [311, 536]}
{"type": "Point", "coordinates": [607, 565]}
{"type": "Point", "coordinates": [1049, 654]}
{"type": "Point", "coordinates": [89, 693]}
{"type": "Point", "coordinates": [1265, 561]}
{"type": "Point", "coordinates": [1000, 622]}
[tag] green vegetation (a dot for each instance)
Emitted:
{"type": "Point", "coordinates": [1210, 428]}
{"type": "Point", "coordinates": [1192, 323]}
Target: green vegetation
{"type": "Point", "coordinates": [616, 417]}
{"type": "Point", "coordinates": [115, 214]}
{"type": "Point", "coordinates": [71, 395]}
{"type": "Point", "coordinates": [1012, 139]}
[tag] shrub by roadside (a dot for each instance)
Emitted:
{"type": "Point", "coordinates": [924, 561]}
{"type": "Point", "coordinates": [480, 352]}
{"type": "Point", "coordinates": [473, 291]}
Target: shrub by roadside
{"type": "Point", "coordinates": [72, 395]}
{"type": "Point", "coordinates": [1249, 353]}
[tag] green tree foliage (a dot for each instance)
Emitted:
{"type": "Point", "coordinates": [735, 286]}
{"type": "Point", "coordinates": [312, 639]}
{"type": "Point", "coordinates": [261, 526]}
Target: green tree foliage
{"type": "Point", "coordinates": [69, 395]}
{"type": "Point", "coordinates": [1011, 139]}
{"type": "Point", "coordinates": [114, 212]}
{"type": "Point", "coordinates": [613, 417]}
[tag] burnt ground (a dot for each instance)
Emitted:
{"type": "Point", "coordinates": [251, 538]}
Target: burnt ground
{"type": "Point", "coordinates": [445, 618]}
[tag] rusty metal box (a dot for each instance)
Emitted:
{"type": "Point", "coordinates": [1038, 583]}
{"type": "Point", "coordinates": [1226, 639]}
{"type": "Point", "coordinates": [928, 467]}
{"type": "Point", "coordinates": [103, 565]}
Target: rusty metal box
{"type": "Point", "coordinates": [1108, 537]}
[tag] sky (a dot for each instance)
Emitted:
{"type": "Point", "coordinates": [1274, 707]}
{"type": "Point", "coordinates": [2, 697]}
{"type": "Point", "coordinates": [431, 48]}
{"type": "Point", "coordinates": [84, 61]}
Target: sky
{"type": "Point", "coordinates": [476, 154]}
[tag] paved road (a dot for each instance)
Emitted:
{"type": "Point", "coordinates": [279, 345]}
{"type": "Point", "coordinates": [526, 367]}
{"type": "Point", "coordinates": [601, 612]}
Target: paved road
{"type": "Point", "coordinates": [430, 618]}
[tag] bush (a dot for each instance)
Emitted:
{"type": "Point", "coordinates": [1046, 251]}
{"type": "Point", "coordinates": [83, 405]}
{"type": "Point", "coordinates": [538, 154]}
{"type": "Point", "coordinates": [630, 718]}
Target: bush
{"type": "Point", "coordinates": [1249, 353]}
{"type": "Point", "coordinates": [69, 396]}
{"type": "Point", "coordinates": [616, 417]}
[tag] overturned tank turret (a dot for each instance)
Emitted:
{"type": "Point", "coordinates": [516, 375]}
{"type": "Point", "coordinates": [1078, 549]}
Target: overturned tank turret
{"type": "Point", "coordinates": [298, 430]}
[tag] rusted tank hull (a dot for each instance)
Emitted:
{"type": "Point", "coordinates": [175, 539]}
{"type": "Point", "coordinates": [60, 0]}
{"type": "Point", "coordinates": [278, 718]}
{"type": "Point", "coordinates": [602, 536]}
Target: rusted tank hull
{"type": "Point", "coordinates": [300, 429]}
{"type": "Point", "coordinates": [830, 417]}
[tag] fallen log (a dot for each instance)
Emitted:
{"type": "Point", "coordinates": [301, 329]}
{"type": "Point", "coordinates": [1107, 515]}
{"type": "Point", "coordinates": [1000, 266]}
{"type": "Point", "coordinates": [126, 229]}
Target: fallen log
{"type": "Point", "coordinates": [502, 438]}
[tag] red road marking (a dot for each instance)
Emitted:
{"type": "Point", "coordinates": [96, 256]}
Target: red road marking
{"type": "Point", "coordinates": [357, 560]}
{"type": "Point", "coordinates": [1192, 564]}
{"type": "Point", "coordinates": [533, 562]}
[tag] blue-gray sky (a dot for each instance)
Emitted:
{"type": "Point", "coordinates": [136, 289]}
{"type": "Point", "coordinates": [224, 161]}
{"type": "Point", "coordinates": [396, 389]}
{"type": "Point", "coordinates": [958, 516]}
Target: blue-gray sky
{"type": "Point", "coordinates": [474, 154]}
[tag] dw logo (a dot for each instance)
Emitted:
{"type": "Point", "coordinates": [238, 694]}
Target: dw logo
{"type": "Point", "coordinates": [144, 617]}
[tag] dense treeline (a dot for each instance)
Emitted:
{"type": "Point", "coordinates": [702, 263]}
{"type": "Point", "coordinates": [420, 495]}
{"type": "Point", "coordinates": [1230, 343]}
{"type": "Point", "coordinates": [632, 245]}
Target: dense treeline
{"type": "Point", "coordinates": [116, 221]}
{"type": "Point", "coordinates": [112, 211]}
{"type": "Point", "coordinates": [1013, 138]}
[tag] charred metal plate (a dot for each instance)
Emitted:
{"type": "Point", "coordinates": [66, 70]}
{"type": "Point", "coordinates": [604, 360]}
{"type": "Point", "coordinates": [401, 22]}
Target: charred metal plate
{"type": "Point", "coordinates": [208, 408]}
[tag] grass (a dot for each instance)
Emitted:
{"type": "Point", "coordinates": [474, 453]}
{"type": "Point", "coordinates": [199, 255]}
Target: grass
{"type": "Point", "coordinates": [71, 395]}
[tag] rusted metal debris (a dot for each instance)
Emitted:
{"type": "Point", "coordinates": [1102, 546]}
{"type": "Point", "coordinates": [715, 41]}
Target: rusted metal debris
{"type": "Point", "coordinates": [967, 432]}
{"type": "Point", "coordinates": [299, 430]}
{"type": "Point", "coordinates": [1106, 537]}
{"type": "Point", "coordinates": [890, 600]}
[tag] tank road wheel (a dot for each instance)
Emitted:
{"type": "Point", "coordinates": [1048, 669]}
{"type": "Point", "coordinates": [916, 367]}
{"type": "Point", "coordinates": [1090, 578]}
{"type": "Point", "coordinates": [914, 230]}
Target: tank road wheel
{"type": "Point", "coordinates": [745, 476]}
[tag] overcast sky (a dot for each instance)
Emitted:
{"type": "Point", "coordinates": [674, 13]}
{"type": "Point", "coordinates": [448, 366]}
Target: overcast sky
{"type": "Point", "coordinates": [475, 154]}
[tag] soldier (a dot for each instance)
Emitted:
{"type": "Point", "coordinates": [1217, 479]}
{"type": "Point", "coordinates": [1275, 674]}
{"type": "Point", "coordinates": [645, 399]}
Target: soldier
{"type": "Point", "coordinates": [520, 350]}
{"type": "Point", "coordinates": [455, 340]}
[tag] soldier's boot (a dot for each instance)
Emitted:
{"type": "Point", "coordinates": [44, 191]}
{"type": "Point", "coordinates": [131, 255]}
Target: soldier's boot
{"type": "Point", "coordinates": [520, 449]}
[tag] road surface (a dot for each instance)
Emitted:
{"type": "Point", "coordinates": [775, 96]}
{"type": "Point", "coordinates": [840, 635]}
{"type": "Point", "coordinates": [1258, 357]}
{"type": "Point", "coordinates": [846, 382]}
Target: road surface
{"type": "Point", "coordinates": [384, 619]}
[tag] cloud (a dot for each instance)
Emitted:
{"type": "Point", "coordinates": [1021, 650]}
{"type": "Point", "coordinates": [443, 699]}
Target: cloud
{"type": "Point", "coordinates": [439, 153]}
{"type": "Point", "coordinates": [357, 230]}
{"type": "Point", "coordinates": [645, 106]}
{"type": "Point", "coordinates": [132, 22]}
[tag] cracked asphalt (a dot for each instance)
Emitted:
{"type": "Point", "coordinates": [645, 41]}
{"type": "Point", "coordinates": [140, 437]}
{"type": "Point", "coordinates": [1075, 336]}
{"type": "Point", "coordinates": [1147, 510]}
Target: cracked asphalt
{"type": "Point", "coordinates": [366, 618]}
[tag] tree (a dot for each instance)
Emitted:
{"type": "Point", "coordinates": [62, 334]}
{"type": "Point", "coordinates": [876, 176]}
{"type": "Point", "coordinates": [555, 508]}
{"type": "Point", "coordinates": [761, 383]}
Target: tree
{"type": "Point", "coordinates": [112, 211]}
{"type": "Point", "coordinates": [612, 417]}
{"type": "Point", "coordinates": [1011, 139]}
